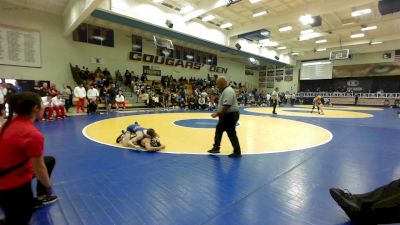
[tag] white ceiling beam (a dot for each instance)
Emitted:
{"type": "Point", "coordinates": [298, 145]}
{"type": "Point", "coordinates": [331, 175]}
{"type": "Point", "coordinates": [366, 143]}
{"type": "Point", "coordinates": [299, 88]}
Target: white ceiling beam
{"type": "Point", "coordinates": [205, 6]}
{"type": "Point", "coordinates": [76, 13]}
{"type": "Point", "coordinates": [315, 9]}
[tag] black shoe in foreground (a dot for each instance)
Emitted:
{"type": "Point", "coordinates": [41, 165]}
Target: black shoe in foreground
{"type": "Point", "coordinates": [235, 155]}
{"type": "Point", "coordinates": [42, 201]}
{"type": "Point", "coordinates": [213, 151]}
{"type": "Point", "coordinates": [347, 202]}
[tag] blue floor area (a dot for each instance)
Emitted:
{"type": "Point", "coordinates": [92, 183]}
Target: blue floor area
{"type": "Point", "coordinates": [99, 184]}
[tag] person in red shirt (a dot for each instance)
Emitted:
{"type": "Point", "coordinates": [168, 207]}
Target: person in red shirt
{"type": "Point", "coordinates": [21, 158]}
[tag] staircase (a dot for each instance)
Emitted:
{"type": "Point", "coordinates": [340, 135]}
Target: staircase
{"type": "Point", "coordinates": [131, 99]}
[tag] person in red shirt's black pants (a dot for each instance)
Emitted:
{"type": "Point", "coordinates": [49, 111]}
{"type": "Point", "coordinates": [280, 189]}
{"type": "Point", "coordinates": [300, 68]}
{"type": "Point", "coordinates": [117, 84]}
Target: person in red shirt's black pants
{"type": "Point", "coordinates": [21, 159]}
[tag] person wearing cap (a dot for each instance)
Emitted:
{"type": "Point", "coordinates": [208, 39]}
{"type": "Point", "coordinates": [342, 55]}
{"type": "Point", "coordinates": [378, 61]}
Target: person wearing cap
{"type": "Point", "coordinates": [228, 114]}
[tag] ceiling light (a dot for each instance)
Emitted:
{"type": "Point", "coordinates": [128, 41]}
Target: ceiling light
{"type": "Point", "coordinates": [262, 13]}
{"type": "Point", "coordinates": [271, 44]}
{"type": "Point", "coordinates": [307, 31]}
{"type": "Point", "coordinates": [295, 53]}
{"type": "Point", "coordinates": [157, 1]}
{"type": "Point", "coordinates": [306, 19]}
{"type": "Point", "coordinates": [254, 1]}
{"type": "Point", "coordinates": [225, 25]}
{"type": "Point", "coordinates": [308, 36]}
{"type": "Point", "coordinates": [360, 12]}
{"type": "Point", "coordinates": [321, 41]}
{"type": "Point", "coordinates": [321, 49]}
{"type": "Point", "coordinates": [252, 60]}
{"type": "Point", "coordinates": [186, 9]}
{"type": "Point", "coordinates": [316, 63]}
{"type": "Point", "coordinates": [369, 28]}
{"type": "Point", "coordinates": [376, 42]}
{"type": "Point", "coordinates": [208, 18]}
{"type": "Point", "coordinates": [284, 29]}
{"type": "Point", "coordinates": [359, 35]}
{"type": "Point", "coordinates": [282, 48]}
{"type": "Point", "coordinates": [262, 41]}
{"type": "Point", "coordinates": [189, 56]}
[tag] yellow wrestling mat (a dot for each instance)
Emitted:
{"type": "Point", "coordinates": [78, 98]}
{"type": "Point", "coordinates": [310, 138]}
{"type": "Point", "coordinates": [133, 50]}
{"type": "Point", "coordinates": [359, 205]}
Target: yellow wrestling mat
{"type": "Point", "coordinates": [305, 112]}
{"type": "Point", "coordinates": [356, 108]}
{"type": "Point", "coordinates": [193, 133]}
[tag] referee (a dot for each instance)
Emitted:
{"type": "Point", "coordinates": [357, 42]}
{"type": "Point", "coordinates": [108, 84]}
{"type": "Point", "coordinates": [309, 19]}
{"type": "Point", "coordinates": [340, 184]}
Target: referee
{"type": "Point", "coordinates": [228, 113]}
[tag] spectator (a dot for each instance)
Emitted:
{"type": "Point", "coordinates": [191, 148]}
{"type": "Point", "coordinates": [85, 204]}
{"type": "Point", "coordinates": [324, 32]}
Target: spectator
{"type": "Point", "coordinates": [58, 103]}
{"type": "Point", "coordinates": [120, 100]}
{"type": "Point", "coordinates": [202, 103]}
{"type": "Point", "coordinates": [53, 90]}
{"type": "Point", "coordinates": [3, 93]}
{"type": "Point", "coordinates": [128, 77]}
{"type": "Point", "coordinates": [98, 70]}
{"type": "Point", "coordinates": [36, 87]}
{"type": "Point", "coordinates": [17, 88]}
{"type": "Point", "coordinates": [80, 94]}
{"type": "Point", "coordinates": [44, 90]}
{"type": "Point", "coordinates": [46, 102]}
{"type": "Point", "coordinates": [92, 95]}
{"type": "Point", "coordinates": [66, 95]}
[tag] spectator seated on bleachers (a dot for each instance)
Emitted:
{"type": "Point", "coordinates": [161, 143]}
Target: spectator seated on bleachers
{"type": "Point", "coordinates": [202, 103]}
{"type": "Point", "coordinates": [58, 103]}
{"type": "Point", "coordinates": [120, 101]}
{"type": "Point", "coordinates": [46, 101]}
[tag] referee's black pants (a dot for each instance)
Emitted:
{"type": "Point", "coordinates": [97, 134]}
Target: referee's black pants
{"type": "Point", "coordinates": [227, 122]}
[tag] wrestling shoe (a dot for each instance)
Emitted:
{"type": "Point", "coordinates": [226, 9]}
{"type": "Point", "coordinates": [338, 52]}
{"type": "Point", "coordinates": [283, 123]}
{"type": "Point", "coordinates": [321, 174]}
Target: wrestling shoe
{"type": "Point", "coordinates": [42, 201]}
{"type": "Point", "coordinates": [235, 155]}
{"type": "Point", "coordinates": [213, 151]}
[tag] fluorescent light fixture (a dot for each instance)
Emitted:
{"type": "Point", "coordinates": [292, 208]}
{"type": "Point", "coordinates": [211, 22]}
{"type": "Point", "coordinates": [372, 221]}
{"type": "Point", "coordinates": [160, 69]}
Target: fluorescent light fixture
{"type": "Point", "coordinates": [262, 13]}
{"type": "Point", "coordinates": [157, 1]}
{"type": "Point", "coordinates": [360, 12]}
{"type": "Point", "coordinates": [285, 29]}
{"type": "Point", "coordinates": [254, 1]}
{"type": "Point", "coordinates": [208, 18]}
{"type": "Point", "coordinates": [252, 60]}
{"type": "Point", "coordinates": [321, 49]}
{"type": "Point", "coordinates": [295, 53]}
{"type": "Point", "coordinates": [189, 56]}
{"type": "Point", "coordinates": [369, 28]}
{"type": "Point", "coordinates": [316, 63]}
{"type": "Point", "coordinates": [187, 9]}
{"type": "Point", "coordinates": [359, 35]}
{"type": "Point", "coordinates": [226, 25]}
{"type": "Point", "coordinates": [282, 48]}
{"type": "Point", "coordinates": [306, 19]}
{"type": "Point", "coordinates": [309, 36]}
{"type": "Point", "coordinates": [265, 33]}
{"type": "Point", "coordinates": [268, 43]}
{"type": "Point", "coordinates": [98, 38]}
{"type": "Point", "coordinates": [376, 42]}
{"type": "Point", "coordinates": [307, 31]}
{"type": "Point", "coordinates": [320, 41]}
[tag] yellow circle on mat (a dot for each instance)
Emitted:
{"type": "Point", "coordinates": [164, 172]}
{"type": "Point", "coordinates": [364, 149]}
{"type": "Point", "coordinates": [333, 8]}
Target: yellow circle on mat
{"type": "Point", "coordinates": [356, 108]}
{"type": "Point", "coordinates": [256, 134]}
{"type": "Point", "coordinates": [304, 112]}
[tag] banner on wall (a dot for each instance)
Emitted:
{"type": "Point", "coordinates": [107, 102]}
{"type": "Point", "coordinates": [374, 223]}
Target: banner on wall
{"type": "Point", "coordinates": [162, 60]}
{"type": "Point", "coordinates": [151, 70]}
{"type": "Point", "coordinates": [96, 60]}
{"type": "Point", "coordinates": [366, 70]}
{"type": "Point", "coordinates": [19, 46]}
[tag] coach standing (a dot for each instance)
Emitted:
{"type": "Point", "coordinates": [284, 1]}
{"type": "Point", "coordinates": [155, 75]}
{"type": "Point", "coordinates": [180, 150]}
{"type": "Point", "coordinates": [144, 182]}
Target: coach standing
{"type": "Point", "coordinates": [228, 113]}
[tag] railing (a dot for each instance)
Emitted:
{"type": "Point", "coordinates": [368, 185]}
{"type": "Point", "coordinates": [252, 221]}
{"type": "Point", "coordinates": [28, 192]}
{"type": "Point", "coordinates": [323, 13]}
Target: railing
{"type": "Point", "coordinates": [348, 95]}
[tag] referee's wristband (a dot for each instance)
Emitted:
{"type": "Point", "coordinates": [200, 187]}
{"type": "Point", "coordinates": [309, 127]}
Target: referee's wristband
{"type": "Point", "coordinates": [218, 114]}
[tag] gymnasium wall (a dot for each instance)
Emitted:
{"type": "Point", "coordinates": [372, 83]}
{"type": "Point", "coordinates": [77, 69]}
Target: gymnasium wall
{"type": "Point", "coordinates": [57, 51]}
